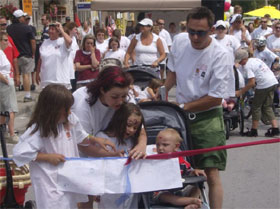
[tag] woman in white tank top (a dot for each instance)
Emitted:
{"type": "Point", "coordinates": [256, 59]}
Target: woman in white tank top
{"type": "Point", "coordinates": [146, 46]}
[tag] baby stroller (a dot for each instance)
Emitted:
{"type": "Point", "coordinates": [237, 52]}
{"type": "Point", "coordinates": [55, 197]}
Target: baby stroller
{"type": "Point", "coordinates": [14, 181]}
{"type": "Point", "coordinates": [159, 115]}
{"type": "Point", "coordinates": [234, 119]}
{"type": "Point", "coordinates": [142, 75]}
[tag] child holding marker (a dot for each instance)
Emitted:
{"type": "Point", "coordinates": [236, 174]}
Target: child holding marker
{"type": "Point", "coordinates": [52, 134]}
{"type": "Point", "coordinates": [123, 131]}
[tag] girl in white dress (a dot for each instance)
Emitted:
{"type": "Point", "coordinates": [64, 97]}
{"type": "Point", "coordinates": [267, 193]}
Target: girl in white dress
{"type": "Point", "coordinates": [52, 134]}
{"type": "Point", "coordinates": [123, 130]}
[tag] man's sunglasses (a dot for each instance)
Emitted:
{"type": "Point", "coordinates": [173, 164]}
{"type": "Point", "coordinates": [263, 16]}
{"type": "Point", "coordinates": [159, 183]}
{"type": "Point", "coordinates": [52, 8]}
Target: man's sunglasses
{"type": "Point", "coordinates": [3, 24]}
{"type": "Point", "coordinates": [220, 28]}
{"type": "Point", "coordinates": [197, 32]}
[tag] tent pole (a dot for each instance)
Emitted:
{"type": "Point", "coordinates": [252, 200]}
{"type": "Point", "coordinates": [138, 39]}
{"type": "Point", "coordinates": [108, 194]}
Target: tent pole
{"type": "Point", "coordinates": [100, 18]}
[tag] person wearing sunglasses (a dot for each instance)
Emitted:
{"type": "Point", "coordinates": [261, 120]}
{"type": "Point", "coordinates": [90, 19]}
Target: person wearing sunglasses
{"type": "Point", "coordinates": [273, 41]}
{"type": "Point", "coordinates": [201, 71]}
{"type": "Point", "coordinates": [231, 43]}
{"type": "Point", "coordinates": [11, 51]}
{"type": "Point", "coordinates": [146, 46]}
{"type": "Point", "coordinates": [262, 30]}
{"type": "Point", "coordinates": [165, 35]}
{"type": "Point", "coordinates": [24, 40]}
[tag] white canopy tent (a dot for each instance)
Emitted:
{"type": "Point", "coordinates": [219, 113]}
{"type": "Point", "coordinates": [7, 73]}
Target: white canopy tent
{"type": "Point", "coordinates": [144, 5]}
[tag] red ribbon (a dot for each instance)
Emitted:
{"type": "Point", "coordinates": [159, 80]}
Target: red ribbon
{"type": "Point", "coordinates": [201, 151]}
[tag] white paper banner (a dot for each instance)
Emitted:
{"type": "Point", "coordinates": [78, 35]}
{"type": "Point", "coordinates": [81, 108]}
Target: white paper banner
{"type": "Point", "coordinates": [95, 177]}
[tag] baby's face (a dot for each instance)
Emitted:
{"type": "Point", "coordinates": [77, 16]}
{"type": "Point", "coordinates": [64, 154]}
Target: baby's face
{"type": "Point", "coordinates": [166, 143]}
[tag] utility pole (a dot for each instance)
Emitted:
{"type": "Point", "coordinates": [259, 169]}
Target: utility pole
{"type": "Point", "coordinates": [266, 2]}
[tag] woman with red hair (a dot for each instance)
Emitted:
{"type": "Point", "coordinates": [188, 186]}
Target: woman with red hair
{"type": "Point", "coordinates": [95, 105]}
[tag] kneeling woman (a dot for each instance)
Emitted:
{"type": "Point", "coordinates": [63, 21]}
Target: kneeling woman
{"type": "Point", "coordinates": [95, 105]}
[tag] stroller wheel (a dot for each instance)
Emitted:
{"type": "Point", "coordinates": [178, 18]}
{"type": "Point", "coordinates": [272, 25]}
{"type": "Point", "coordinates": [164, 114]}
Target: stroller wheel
{"type": "Point", "coordinates": [30, 204]}
{"type": "Point", "coordinates": [227, 128]}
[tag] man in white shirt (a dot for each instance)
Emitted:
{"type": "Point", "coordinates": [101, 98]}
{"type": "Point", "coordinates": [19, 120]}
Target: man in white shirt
{"type": "Point", "coordinates": [200, 68]}
{"type": "Point", "coordinates": [164, 34]}
{"type": "Point", "coordinates": [231, 44]}
{"type": "Point", "coordinates": [262, 30]}
{"type": "Point", "coordinates": [239, 31]}
{"type": "Point", "coordinates": [273, 41]}
{"type": "Point", "coordinates": [260, 76]}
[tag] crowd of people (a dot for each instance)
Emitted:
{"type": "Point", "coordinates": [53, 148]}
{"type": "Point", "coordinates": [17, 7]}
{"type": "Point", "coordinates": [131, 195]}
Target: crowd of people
{"type": "Point", "coordinates": [201, 60]}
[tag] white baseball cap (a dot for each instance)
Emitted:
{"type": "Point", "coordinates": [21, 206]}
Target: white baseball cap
{"type": "Point", "coordinates": [235, 17]}
{"type": "Point", "coordinates": [220, 23]}
{"type": "Point", "coordinates": [19, 13]}
{"type": "Point", "coordinates": [146, 22]}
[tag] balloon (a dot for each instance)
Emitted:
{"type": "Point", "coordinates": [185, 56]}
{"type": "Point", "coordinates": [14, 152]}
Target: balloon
{"type": "Point", "coordinates": [231, 9]}
{"type": "Point", "coordinates": [226, 16]}
{"type": "Point", "coordinates": [227, 6]}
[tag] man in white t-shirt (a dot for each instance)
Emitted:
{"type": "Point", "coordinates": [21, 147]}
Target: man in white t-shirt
{"type": "Point", "coordinates": [273, 41]}
{"type": "Point", "coordinates": [262, 30]}
{"type": "Point", "coordinates": [231, 44]}
{"type": "Point", "coordinates": [260, 76]}
{"type": "Point", "coordinates": [162, 65]}
{"type": "Point", "coordinates": [200, 68]}
{"type": "Point", "coordinates": [239, 31]}
{"type": "Point", "coordinates": [164, 34]}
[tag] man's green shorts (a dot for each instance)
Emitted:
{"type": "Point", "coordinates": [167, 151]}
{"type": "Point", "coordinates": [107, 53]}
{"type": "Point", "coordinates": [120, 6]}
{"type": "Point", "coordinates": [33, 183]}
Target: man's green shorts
{"type": "Point", "coordinates": [207, 130]}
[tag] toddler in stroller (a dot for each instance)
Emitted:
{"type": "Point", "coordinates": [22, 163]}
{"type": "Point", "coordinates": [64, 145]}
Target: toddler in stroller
{"type": "Point", "coordinates": [169, 140]}
{"type": "Point", "coordinates": [151, 91]}
{"type": "Point", "coordinates": [158, 116]}
{"type": "Point", "coordinates": [144, 84]}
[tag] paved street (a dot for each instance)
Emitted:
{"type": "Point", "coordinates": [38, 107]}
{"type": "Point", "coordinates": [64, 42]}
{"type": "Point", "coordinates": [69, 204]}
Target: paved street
{"type": "Point", "coordinates": [252, 177]}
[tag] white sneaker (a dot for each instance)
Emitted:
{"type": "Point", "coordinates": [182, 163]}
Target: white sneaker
{"type": "Point", "coordinates": [12, 139]}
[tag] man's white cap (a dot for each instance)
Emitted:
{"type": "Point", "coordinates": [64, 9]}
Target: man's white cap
{"type": "Point", "coordinates": [220, 23]}
{"type": "Point", "coordinates": [19, 13]}
{"type": "Point", "coordinates": [235, 17]}
{"type": "Point", "coordinates": [146, 22]}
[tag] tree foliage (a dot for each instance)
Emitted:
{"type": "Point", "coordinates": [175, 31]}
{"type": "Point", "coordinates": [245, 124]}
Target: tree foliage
{"type": "Point", "coordinates": [7, 10]}
{"type": "Point", "coordinates": [249, 5]}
